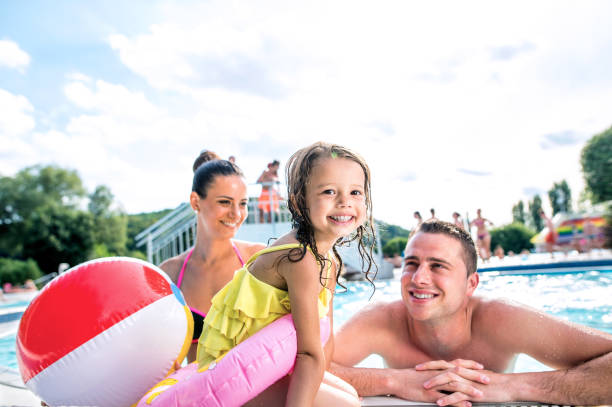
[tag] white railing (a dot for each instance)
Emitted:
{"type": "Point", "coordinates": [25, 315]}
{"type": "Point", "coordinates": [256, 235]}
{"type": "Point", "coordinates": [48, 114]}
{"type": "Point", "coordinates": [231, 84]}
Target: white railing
{"type": "Point", "coordinates": [175, 233]}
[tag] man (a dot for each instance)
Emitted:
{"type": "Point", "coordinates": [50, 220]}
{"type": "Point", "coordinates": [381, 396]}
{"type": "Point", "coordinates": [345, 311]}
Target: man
{"type": "Point", "coordinates": [444, 345]}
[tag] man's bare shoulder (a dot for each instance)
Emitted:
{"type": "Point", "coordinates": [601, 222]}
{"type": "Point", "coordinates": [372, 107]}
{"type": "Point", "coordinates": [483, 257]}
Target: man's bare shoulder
{"type": "Point", "coordinates": [496, 308]}
{"type": "Point", "coordinates": [503, 320]}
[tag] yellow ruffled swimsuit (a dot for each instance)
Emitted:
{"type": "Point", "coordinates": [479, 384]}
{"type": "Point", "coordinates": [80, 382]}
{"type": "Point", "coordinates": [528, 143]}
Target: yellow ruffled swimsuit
{"type": "Point", "coordinates": [244, 306]}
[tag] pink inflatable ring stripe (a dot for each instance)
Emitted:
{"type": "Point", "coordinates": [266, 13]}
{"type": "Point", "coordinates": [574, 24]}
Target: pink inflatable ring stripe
{"type": "Point", "coordinates": [244, 372]}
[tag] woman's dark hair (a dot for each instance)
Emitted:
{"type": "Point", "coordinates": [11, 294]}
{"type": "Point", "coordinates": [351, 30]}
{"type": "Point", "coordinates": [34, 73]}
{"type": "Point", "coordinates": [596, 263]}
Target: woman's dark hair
{"type": "Point", "coordinates": [206, 173]}
{"type": "Point", "coordinates": [204, 157]}
{"type": "Point", "coordinates": [298, 171]}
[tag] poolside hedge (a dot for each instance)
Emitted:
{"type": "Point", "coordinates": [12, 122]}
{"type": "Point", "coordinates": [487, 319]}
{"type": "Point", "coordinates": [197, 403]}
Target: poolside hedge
{"type": "Point", "coordinates": [514, 236]}
{"type": "Point", "coordinates": [17, 272]}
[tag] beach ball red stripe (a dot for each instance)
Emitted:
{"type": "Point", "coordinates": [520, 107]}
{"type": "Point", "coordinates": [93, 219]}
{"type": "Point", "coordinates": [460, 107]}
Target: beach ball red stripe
{"type": "Point", "coordinates": [87, 300]}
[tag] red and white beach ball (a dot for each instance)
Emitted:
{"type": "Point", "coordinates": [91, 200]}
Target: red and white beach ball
{"type": "Point", "coordinates": [103, 333]}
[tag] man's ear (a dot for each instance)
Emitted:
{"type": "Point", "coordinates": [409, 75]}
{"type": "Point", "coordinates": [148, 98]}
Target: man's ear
{"type": "Point", "coordinates": [194, 200]}
{"type": "Point", "coordinates": [472, 283]}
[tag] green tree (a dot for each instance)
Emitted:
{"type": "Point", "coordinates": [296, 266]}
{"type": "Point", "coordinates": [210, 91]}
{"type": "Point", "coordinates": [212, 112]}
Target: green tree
{"type": "Point", "coordinates": [26, 192]}
{"type": "Point", "coordinates": [136, 223]}
{"type": "Point", "coordinates": [535, 220]}
{"type": "Point", "coordinates": [40, 217]}
{"type": "Point", "coordinates": [58, 234]}
{"type": "Point", "coordinates": [518, 213]}
{"type": "Point", "coordinates": [395, 246]}
{"type": "Point", "coordinates": [388, 231]}
{"type": "Point", "coordinates": [560, 197]}
{"type": "Point", "coordinates": [596, 160]}
{"type": "Point", "coordinates": [100, 201]}
{"type": "Point", "coordinates": [514, 236]}
{"type": "Point", "coordinates": [17, 271]}
{"type": "Point", "coordinates": [110, 226]}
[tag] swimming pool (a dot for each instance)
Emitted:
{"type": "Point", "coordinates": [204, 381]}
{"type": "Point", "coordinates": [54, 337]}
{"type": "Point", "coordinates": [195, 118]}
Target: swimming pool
{"type": "Point", "coordinates": [582, 297]}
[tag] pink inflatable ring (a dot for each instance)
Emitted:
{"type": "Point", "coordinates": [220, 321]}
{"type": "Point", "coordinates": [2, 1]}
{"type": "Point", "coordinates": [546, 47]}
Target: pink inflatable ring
{"type": "Point", "coordinates": [237, 377]}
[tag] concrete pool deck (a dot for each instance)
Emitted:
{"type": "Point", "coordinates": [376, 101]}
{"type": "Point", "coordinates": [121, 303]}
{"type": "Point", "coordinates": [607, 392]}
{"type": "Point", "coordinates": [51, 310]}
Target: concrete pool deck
{"type": "Point", "coordinates": [12, 390]}
{"type": "Point", "coordinates": [542, 263]}
{"type": "Point", "coordinates": [18, 397]}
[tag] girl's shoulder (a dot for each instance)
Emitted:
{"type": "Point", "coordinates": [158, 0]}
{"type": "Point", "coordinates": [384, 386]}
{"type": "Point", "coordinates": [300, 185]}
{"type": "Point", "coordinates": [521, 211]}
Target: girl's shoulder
{"type": "Point", "coordinates": [284, 251]}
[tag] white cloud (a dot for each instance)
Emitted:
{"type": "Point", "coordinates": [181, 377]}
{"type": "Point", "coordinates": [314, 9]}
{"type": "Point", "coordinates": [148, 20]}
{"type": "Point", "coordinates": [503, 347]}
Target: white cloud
{"type": "Point", "coordinates": [118, 117]}
{"type": "Point", "coordinates": [422, 94]}
{"type": "Point", "coordinates": [16, 118]}
{"type": "Point", "coordinates": [16, 121]}
{"type": "Point", "coordinates": [111, 99]}
{"type": "Point", "coordinates": [449, 108]}
{"type": "Point", "coordinates": [78, 77]}
{"type": "Point", "coordinates": [12, 56]}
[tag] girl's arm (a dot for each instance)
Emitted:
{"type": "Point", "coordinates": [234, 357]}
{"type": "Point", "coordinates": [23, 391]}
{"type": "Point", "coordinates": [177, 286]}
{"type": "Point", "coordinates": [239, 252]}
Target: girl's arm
{"type": "Point", "coordinates": [328, 349]}
{"type": "Point", "coordinates": [303, 285]}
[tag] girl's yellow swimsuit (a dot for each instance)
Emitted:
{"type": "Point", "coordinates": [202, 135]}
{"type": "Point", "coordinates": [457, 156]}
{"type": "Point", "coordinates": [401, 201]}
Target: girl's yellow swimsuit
{"type": "Point", "coordinates": [244, 306]}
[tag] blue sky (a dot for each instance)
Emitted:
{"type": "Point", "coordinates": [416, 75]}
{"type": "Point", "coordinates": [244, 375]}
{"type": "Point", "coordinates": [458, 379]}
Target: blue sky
{"type": "Point", "coordinates": [455, 105]}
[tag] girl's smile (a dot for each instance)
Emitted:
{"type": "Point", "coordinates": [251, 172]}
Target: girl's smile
{"type": "Point", "coordinates": [335, 198]}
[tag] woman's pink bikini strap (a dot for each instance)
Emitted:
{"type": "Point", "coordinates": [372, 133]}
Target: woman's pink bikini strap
{"type": "Point", "coordinates": [237, 253]}
{"type": "Point", "coordinates": [180, 277]}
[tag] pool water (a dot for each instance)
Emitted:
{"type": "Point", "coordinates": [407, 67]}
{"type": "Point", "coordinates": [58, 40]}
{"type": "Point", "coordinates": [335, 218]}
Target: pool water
{"type": "Point", "coordinates": [7, 352]}
{"type": "Point", "coordinates": [584, 298]}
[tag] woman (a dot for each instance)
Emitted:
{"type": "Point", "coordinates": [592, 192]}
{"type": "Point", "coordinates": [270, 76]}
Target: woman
{"type": "Point", "coordinates": [483, 241]}
{"type": "Point", "coordinates": [219, 199]}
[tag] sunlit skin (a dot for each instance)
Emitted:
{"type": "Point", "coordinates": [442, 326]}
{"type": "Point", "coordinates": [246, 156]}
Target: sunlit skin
{"type": "Point", "coordinates": [213, 261]}
{"type": "Point", "coordinates": [336, 199]}
{"type": "Point", "coordinates": [434, 281]}
{"type": "Point", "coordinates": [225, 207]}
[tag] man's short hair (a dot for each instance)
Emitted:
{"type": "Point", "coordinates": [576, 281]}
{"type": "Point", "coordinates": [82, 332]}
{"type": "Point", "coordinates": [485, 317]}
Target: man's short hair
{"type": "Point", "coordinates": [468, 248]}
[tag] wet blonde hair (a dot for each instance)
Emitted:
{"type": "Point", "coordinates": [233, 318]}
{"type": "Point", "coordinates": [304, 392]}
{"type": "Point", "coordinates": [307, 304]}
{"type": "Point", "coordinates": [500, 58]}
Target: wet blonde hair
{"type": "Point", "coordinates": [298, 172]}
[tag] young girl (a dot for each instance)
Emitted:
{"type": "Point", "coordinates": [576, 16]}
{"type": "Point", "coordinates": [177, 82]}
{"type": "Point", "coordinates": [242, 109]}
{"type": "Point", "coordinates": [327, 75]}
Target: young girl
{"type": "Point", "coordinates": [329, 199]}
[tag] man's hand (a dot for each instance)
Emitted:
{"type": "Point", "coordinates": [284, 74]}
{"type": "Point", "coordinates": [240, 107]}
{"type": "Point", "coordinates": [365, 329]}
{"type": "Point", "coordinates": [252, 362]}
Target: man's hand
{"type": "Point", "coordinates": [462, 378]}
{"type": "Point", "coordinates": [410, 384]}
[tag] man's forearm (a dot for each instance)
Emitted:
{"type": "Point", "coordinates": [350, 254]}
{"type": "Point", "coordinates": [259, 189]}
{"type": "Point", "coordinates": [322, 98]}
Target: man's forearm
{"type": "Point", "coordinates": [586, 384]}
{"type": "Point", "coordinates": [367, 381]}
